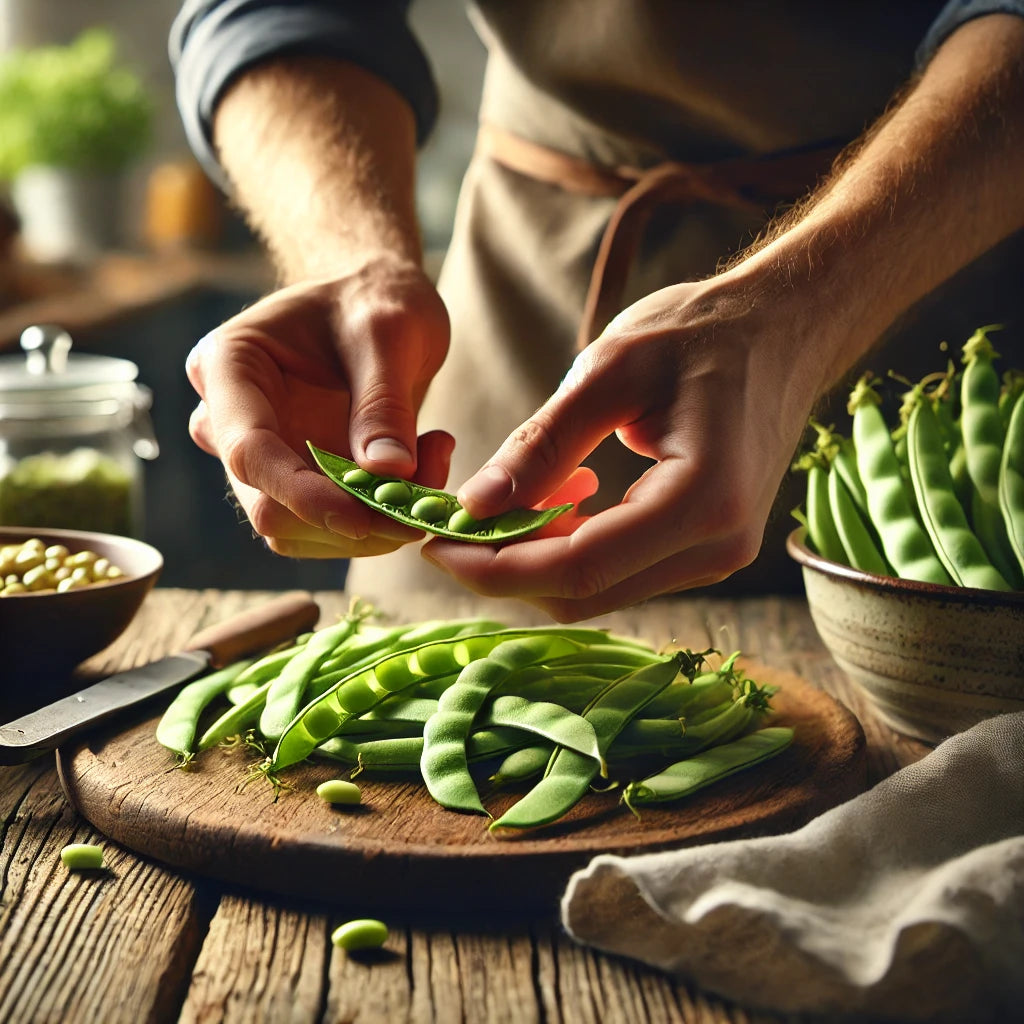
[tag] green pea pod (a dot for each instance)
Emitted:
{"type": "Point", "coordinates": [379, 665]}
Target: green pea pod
{"type": "Point", "coordinates": [178, 725]}
{"type": "Point", "coordinates": [1011, 480]}
{"type": "Point", "coordinates": [821, 527]}
{"type": "Point", "coordinates": [691, 693]}
{"type": "Point", "coordinates": [236, 720]}
{"type": "Point", "coordinates": [426, 508]}
{"type": "Point", "coordinates": [845, 464]}
{"type": "Point", "coordinates": [963, 486]}
{"type": "Point", "coordinates": [247, 712]}
{"type": "Point", "coordinates": [444, 764]}
{"type": "Point", "coordinates": [958, 548]}
{"type": "Point", "coordinates": [686, 777]}
{"type": "Point", "coordinates": [402, 755]}
{"type": "Point", "coordinates": [983, 431]}
{"type": "Point", "coordinates": [392, 673]}
{"type": "Point", "coordinates": [858, 542]}
{"type": "Point", "coordinates": [267, 666]}
{"type": "Point", "coordinates": [523, 764]}
{"type": "Point", "coordinates": [1012, 388]}
{"type": "Point", "coordinates": [568, 775]}
{"type": "Point", "coordinates": [287, 692]}
{"type": "Point", "coordinates": [545, 719]}
{"type": "Point", "coordinates": [905, 542]}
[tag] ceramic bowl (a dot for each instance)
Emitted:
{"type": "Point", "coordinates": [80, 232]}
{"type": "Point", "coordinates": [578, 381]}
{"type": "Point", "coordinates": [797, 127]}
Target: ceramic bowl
{"type": "Point", "coordinates": [932, 660]}
{"type": "Point", "coordinates": [45, 635]}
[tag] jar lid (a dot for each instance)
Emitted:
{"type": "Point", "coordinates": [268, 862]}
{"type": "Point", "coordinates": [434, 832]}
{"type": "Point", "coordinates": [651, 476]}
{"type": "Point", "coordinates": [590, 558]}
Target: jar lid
{"type": "Point", "coordinates": [47, 378]}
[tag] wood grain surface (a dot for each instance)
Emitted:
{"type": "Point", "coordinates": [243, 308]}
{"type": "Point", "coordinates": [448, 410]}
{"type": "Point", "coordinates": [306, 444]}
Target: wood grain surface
{"type": "Point", "coordinates": [411, 852]}
{"type": "Point", "coordinates": [143, 942]}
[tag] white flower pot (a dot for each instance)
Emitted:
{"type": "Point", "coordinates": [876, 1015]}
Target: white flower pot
{"type": "Point", "coordinates": [67, 216]}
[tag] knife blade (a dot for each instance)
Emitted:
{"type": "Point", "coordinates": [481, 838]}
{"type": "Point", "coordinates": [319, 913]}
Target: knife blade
{"type": "Point", "coordinates": [253, 630]}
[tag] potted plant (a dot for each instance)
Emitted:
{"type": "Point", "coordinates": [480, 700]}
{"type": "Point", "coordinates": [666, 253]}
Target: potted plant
{"type": "Point", "coordinates": [71, 122]}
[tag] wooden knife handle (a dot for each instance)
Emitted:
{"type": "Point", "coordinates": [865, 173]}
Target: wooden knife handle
{"type": "Point", "coordinates": [257, 629]}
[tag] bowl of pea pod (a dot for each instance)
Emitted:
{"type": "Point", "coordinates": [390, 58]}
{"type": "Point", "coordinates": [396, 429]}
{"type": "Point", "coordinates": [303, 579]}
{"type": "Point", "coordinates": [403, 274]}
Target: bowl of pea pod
{"type": "Point", "coordinates": [911, 541]}
{"type": "Point", "coordinates": [65, 595]}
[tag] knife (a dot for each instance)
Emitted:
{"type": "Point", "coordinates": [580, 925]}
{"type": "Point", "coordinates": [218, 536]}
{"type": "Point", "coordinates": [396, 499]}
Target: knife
{"type": "Point", "coordinates": [255, 629]}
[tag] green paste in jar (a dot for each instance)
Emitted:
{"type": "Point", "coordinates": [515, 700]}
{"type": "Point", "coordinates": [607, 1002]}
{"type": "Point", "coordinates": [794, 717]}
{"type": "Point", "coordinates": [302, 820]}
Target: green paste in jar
{"type": "Point", "coordinates": [78, 490]}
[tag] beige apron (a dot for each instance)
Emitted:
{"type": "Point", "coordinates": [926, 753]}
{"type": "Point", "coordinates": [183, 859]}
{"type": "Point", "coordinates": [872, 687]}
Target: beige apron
{"type": "Point", "coordinates": [652, 117]}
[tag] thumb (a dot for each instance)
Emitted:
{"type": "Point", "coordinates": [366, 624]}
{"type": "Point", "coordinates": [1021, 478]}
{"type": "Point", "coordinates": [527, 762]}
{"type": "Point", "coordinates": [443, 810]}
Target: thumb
{"type": "Point", "coordinates": [388, 376]}
{"type": "Point", "coordinates": [545, 450]}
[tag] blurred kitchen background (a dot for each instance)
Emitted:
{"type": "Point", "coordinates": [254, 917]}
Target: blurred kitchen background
{"type": "Point", "coordinates": [148, 261]}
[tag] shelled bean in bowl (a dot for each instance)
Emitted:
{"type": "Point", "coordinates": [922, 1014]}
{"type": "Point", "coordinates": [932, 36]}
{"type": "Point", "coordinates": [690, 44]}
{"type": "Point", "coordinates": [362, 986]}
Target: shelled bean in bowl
{"type": "Point", "coordinates": [48, 624]}
{"type": "Point", "coordinates": [912, 544]}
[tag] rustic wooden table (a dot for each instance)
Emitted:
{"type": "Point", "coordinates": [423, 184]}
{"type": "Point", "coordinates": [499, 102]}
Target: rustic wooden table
{"type": "Point", "coordinates": [147, 943]}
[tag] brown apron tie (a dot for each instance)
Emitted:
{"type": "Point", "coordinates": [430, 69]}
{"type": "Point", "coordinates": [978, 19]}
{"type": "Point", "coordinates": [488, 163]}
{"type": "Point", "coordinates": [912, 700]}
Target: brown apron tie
{"type": "Point", "coordinates": [754, 184]}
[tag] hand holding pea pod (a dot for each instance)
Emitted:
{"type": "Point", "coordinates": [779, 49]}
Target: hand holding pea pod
{"type": "Point", "coordinates": [428, 508]}
{"type": "Point", "coordinates": [344, 361]}
{"type": "Point", "coordinates": [692, 392]}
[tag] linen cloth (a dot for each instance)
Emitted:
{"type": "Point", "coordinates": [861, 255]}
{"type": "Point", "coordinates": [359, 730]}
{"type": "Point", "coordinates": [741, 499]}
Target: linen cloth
{"type": "Point", "coordinates": [905, 903]}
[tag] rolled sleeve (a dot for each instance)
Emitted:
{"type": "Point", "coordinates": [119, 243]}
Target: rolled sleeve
{"type": "Point", "coordinates": [212, 41]}
{"type": "Point", "coordinates": [956, 13]}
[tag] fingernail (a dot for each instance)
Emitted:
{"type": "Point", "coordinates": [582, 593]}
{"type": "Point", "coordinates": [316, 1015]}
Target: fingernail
{"type": "Point", "coordinates": [337, 523]}
{"type": "Point", "coordinates": [193, 357]}
{"type": "Point", "coordinates": [491, 486]}
{"type": "Point", "coordinates": [387, 449]}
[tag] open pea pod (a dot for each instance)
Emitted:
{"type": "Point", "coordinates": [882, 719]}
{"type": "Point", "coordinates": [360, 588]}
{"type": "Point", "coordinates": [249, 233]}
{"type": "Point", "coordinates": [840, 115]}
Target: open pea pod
{"type": "Point", "coordinates": [428, 509]}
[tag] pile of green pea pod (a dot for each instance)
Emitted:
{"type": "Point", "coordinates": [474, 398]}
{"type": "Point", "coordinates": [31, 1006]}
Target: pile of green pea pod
{"type": "Point", "coordinates": [555, 710]}
{"type": "Point", "coordinates": [939, 495]}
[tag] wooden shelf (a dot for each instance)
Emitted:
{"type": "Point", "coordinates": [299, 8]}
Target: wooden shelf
{"type": "Point", "coordinates": [116, 287]}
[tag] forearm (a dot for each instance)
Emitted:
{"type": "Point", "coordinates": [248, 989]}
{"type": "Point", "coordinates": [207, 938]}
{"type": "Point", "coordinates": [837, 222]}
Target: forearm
{"type": "Point", "coordinates": [321, 158]}
{"type": "Point", "coordinates": [937, 184]}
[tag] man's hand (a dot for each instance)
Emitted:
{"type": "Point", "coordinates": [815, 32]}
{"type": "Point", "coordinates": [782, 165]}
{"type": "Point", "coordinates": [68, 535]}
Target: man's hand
{"type": "Point", "coordinates": [715, 381]}
{"type": "Point", "coordinates": [321, 158]}
{"type": "Point", "coordinates": [344, 363]}
{"type": "Point", "coordinates": [679, 379]}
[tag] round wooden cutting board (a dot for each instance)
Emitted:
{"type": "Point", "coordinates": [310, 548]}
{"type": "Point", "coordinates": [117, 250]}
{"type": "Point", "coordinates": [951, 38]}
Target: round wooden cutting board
{"type": "Point", "coordinates": [399, 849]}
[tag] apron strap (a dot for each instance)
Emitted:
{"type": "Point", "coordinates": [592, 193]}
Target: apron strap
{"type": "Point", "coordinates": [753, 184]}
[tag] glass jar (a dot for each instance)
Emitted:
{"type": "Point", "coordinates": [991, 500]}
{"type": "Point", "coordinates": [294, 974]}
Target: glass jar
{"type": "Point", "coordinates": [74, 430]}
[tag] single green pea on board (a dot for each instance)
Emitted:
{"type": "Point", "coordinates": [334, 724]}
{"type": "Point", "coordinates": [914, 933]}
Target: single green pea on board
{"type": "Point", "coordinates": [474, 709]}
{"type": "Point", "coordinates": [936, 492]}
{"type": "Point", "coordinates": [426, 508]}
